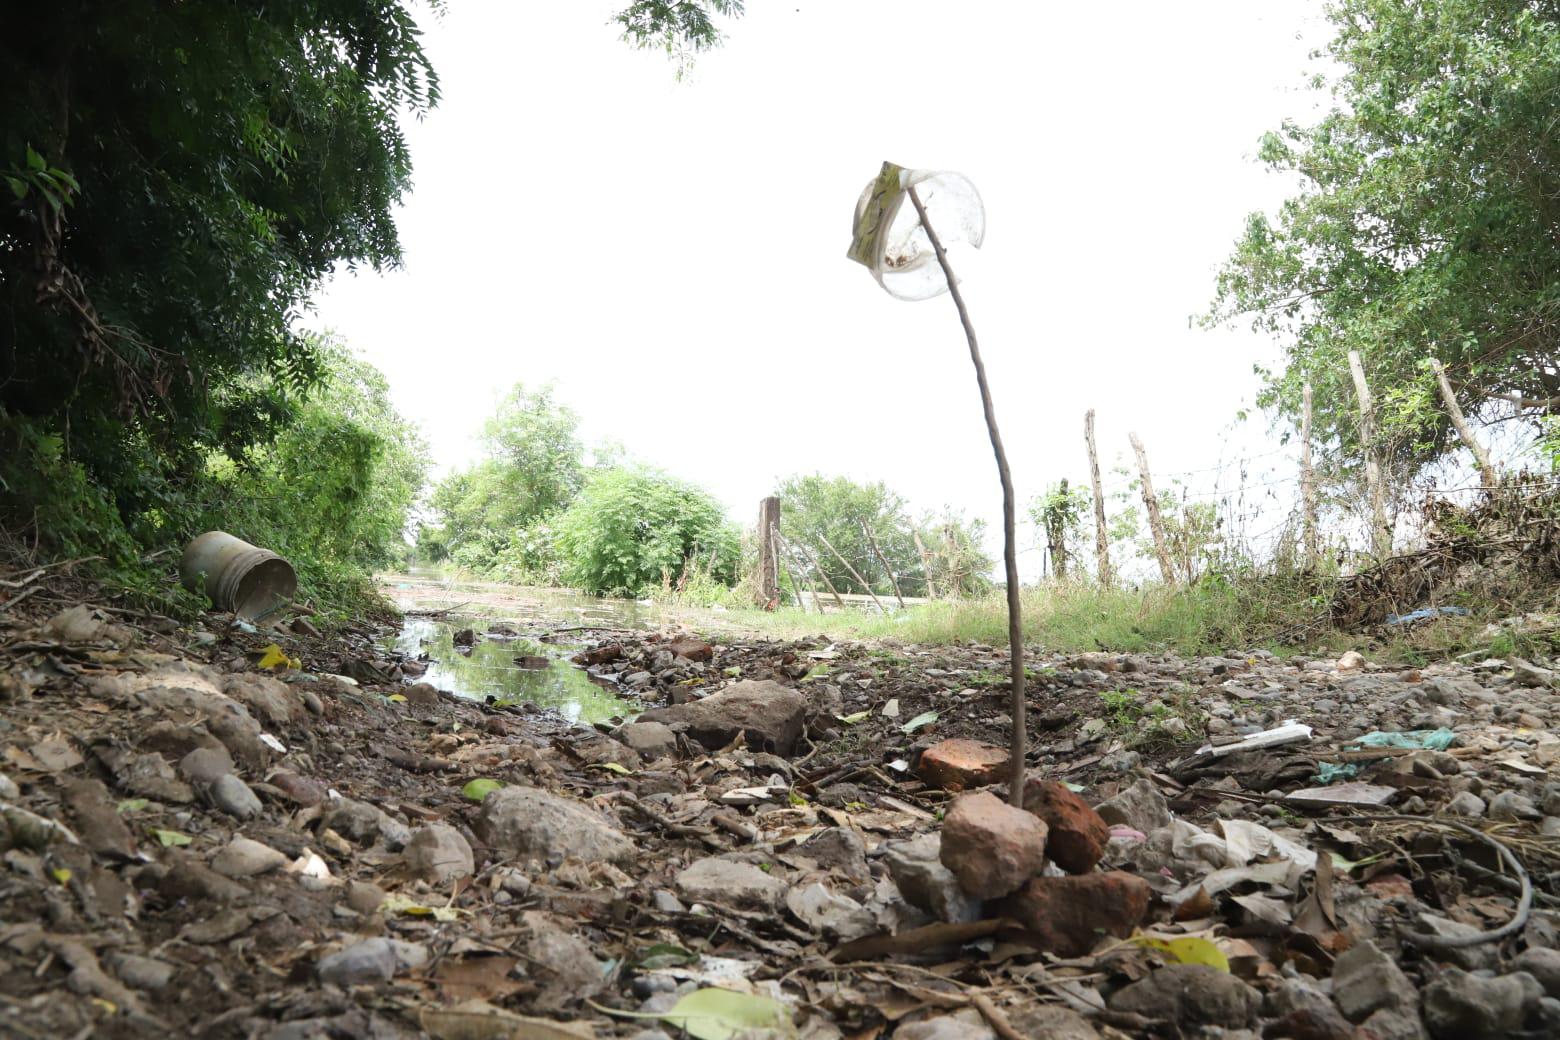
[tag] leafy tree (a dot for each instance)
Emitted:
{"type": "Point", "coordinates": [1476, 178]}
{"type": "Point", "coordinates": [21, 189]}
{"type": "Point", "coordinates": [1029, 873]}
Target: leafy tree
{"type": "Point", "coordinates": [631, 529]}
{"type": "Point", "coordinates": [682, 28]}
{"type": "Point", "coordinates": [228, 157]}
{"type": "Point", "coordinates": [815, 508]}
{"type": "Point", "coordinates": [334, 491]}
{"type": "Point", "coordinates": [1426, 223]}
{"type": "Point", "coordinates": [1058, 517]}
{"type": "Point", "coordinates": [494, 517]}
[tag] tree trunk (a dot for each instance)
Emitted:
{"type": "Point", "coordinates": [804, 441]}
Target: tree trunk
{"type": "Point", "coordinates": [1056, 536]}
{"type": "Point", "coordinates": [926, 568]}
{"type": "Point", "coordinates": [1313, 552]}
{"type": "Point", "coordinates": [1480, 455]}
{"type": "Point", "coordinates": [1156, 523]}
{"type": "Point", "coordinates": [1009, 522]}
{"type": "Point", "coordinates": [1101, 539]}
{"type": "Point", "coordinates": [1381, 533]}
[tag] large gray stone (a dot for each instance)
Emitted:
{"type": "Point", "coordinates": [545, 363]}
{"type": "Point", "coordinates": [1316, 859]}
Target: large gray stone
{"type": "Point", "coordinates": [1460, 1006]}
{"type": "Point", "coordinates": [1366, 980]}
{"type": "Point", "coordinates": [769, 714]}
{"type": "Point", "coordinates": [917, 869]}
{"type": "Point", "coordinates": [961, 1025]}
{"type": "Point", "coordinates": [652, 740]}
{"type": "Point", "coordinates": [527, 822]}
{"type": "Point", "coordinates": [366, 824]}
{"type": "Point", "coordinates": [1194, 994]}
{"type": "Point", "coordinates": [1140, 807]}
{"type": "Point", "coordinates": [370, 961]}
{"type": "Point", "coordinates": [730, 883]}
{"type": "Point", "coordinates": [1543, 963]}
{"type": "Point", "coordinates": [438, 854]}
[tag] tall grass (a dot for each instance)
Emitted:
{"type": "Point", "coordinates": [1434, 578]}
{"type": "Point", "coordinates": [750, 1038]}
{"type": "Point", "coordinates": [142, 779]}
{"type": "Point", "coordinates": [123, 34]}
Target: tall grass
{"type": "Point", "coordinates": [1210, 617]}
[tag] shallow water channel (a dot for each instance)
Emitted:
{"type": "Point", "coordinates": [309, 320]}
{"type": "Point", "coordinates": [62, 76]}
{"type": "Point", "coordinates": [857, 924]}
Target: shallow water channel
{"type": "Point", "coordinates": [511, 668]}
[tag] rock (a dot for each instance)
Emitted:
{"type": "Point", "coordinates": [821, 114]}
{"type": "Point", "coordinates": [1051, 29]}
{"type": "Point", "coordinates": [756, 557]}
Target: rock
{"type": "Point", "coordinates": [140, 972]}
{"type": "Point", "coordinates": [692, 648]}
{"type": "Point", "coordinates": [961, 1025]}
{"type": "Point", "coordinates": [830, 913]}
{"type": "Point", "coordinates": [561, 960]}
{"type": "Point", "coordinates": [1460, 1006]}
{"type": "Point", "coordinates": [529, 822]}
{"type": "Point", "coordinates": [916, 867]}
{"type": "Point", "coordinates": [437, 854]}
{"type": "Point", "coordinates": [729, 883]}
{"type": "Point", "coordinates": [268, 701]}
{"type": "Point", "coordinates": [1140, 807]}
{"type": "Point", "coordinates": [364, 897]}
{"type": "Point", "coordinates": [1510, 805]}
{"type": "Point", "coordinates": [1467, 804]}
{"type": "Point", "coordinates": [1543, 963]}
{"type": "Point", "coordinates": [365, 824]}
{"type": "Point", "coordinates": [1366, 980]}
{"type": "Point", "coordinates": [150, 776]}
{"type": "Point", "coordinates": [233, 796]}
{"type": "Point", "coordinates": [206, 765]}
{"type": "Point", "coordinates": [188, 878]}
{"type": "Point", "coordinates": [1351, 661]}
{"type": "Point", "coordinates": [301, 790]}
{"type": "Point", "coordinates": [1076, 834]}
{"type": "Point", "coordinates": [98, 823]}
{"type": "Point", "coordinates": [839, 849]}
{"type": "Point", "coordinates": [8, 789]}
{"type": "Point", "coordinates": [991, 847]}
{"type": "Point", "coordinates": [370, 961]}
{"type": "Point", "coordinates": [1068, 915]}
{"type": "Point", "coordinates": [243, 857]}
{"type": "Point", "coordinates": [652, 740]}
{"type": "Point", "coordinates": [771, 715]}
{"type": "Point", "coordinates": [959, 764]}
{"type": "Point", "coordinates": [1388, 1024]}
{"type": "Point", "coordinates": [1193, 994]}
{"type": "Point", "coordinates": [1470, 958]}
{"type": "Point", "coordinates": [1051, 1022]}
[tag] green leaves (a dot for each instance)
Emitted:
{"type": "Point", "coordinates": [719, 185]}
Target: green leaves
{"type": "Point", "coordinates": [719, 1014]}
{"type": "Point", "coordinates": [477, 790]}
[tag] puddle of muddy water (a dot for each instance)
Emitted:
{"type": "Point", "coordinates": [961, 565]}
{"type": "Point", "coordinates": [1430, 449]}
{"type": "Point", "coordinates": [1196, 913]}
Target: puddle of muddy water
{"type": "Point", "coordinates": [490, 669]}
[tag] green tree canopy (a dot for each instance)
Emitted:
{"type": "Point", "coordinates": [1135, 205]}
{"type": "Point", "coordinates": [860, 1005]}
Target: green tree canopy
{"type": "Point", "coordinates": [1427, 224]}
{"type": "Point", "coordinates": [228, 157]}
{"type": "Point", "coordinates": [632, 528]}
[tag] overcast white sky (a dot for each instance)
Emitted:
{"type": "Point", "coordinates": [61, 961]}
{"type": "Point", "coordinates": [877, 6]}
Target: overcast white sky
{"type": "Point", "coordinates": [672, 255]}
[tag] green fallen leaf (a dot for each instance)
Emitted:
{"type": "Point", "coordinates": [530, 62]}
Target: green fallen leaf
{"type": "Point", "coordinates": [396, 698]}
{"type": "Point", "coordinates": [476, 790]}
{"type": "Point", "coordinates": [131, 805]}
{"type": "Point", "coordinates": [854, 717]}
{"type": "Point", "coordinates": [719, 1014]}
{"type": "Point", "coordinates": [734, 671]}
{"type": "Point", "coordinates": [613, 767]}
{"type": "Point", "coordinates": [665, 955]}
{"type": "Point", "coordinates": [170, 838]}
{"type": "Point", "coordinates": [926, 718]}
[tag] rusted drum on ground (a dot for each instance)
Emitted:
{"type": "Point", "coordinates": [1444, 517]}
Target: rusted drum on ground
{"type": "Point", "coordinates": [243, 578]}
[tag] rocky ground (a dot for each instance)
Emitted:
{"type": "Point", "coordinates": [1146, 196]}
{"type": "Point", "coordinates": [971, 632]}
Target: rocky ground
{"type": "Point", "coordinates": [205, 839]}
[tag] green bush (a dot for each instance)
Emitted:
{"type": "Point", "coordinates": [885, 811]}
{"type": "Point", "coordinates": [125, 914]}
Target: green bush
{"type": "Point", "coordinates": [630, 529]}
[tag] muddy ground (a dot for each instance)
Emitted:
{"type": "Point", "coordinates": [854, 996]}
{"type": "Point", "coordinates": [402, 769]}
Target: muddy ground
{"type": "Point", "coordinates": [204, 839]}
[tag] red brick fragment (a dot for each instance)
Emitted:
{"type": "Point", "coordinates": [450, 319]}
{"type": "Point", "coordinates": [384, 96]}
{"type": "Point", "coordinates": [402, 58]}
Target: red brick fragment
{"type": "Point", "coordinates": [959, 764]}
{"type": "Point", "coordinates": [1078, 834]}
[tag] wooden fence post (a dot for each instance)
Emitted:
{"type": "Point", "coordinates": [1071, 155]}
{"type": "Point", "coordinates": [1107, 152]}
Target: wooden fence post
{"type": "Point", "coordinates": [1381, 533]}
{"type": "Point", "coordinates": [1480, 455]}
{"type": "Point", "coordinates": [893, 581]}
{"type": "Point", "coordinates": [1313, 552]}
{"type": "Point", "coordinates": [1151, 503]}
{"type": "Point", "coordinates": [810, 558]}
{"type": "Point", "coordinates": [768, 563]}
{"type": "Point", "coordinates": [853, 572]}
{"type": "Point", "coordinates": [1101, 541]}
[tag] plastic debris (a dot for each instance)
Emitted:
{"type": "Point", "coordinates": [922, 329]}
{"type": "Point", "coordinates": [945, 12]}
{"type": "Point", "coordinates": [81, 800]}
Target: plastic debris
{"type": "Point", "coordinates": [1416, 739]}
{"type": "Point", "coordinates": [1343, 794]}
{"type": "Point", "coordinates": [1289, 732]}
{"type": "Point", "coordinates": [1425, 613]}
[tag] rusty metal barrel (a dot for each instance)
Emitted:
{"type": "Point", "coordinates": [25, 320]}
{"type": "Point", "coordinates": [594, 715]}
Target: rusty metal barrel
{"type": "Point", "coordinates": [236, 576]}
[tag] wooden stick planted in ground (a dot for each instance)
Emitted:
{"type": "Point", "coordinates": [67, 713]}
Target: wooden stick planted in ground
{"type": "Point", "coordinates": [1009, 539]}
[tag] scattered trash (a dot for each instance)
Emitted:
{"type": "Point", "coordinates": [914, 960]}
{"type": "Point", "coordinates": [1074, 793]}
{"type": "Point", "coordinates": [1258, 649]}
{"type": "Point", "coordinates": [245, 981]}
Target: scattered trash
{"type": "Point", "coordinates": [1288, 732]}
